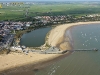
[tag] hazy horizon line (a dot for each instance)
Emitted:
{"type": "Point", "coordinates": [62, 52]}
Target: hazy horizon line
{"type": "Point", "coordinates": [49, 1]}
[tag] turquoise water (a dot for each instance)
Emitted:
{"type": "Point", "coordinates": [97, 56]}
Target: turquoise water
{"type": "Point", "coordinates": [79, 62]}
{"type": "Point", "coordinates": [35, 38]}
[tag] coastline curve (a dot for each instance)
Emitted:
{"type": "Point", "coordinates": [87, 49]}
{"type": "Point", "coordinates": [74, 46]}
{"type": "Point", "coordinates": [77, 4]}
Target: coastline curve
{"type": "Point", "coordinates": [56, 36]}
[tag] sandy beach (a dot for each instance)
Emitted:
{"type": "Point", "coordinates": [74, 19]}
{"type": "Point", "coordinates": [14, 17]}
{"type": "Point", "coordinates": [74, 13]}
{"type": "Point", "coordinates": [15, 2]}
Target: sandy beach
{"type": "Point", "coordinates": [14, 60]}
{"type": "Point", "coordinates": [55, 38]}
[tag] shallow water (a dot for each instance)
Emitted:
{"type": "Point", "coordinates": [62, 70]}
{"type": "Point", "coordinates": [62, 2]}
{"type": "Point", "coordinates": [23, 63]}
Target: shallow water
{"type": "Point", "coordinates": [86, 37]}
{"type": "Point", "coordinates": [79, 62]}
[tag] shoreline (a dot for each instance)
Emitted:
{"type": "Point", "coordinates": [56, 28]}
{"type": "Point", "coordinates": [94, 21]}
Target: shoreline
{"type": "Point", "coordinates": [21, 61]}
{"type": "Point", "coordinates": [57, 34]}
{"type": "Point", "coordinates": [10, 61]}
{"type": "Point", "coordinates": [31, 69]}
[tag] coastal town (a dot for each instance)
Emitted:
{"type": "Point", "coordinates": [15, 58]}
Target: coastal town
{"type": "Point", "coordinates": [7, 32]}
{"type": "Point", "coordinates": [9, 29]}
{"type": "Point", "coordinates": [49, 37]}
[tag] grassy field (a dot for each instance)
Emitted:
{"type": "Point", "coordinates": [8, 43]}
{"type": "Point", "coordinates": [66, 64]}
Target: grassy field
{"type": "Point", "coordinates": [76, 9]}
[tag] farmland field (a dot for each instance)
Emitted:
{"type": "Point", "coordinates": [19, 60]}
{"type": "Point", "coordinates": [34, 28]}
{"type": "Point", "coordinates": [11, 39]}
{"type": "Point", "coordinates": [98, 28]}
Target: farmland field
{"type": "Point", "coordinates": [52, 9]}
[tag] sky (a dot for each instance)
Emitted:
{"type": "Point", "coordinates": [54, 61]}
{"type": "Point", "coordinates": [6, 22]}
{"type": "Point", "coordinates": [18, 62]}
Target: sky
{"type": "Point", "coordinates": [49, 0]}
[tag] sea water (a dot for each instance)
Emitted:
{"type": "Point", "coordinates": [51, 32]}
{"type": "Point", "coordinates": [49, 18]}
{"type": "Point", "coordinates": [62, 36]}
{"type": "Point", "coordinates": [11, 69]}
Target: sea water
{"type": "Point", "coordinates": [79, 62]}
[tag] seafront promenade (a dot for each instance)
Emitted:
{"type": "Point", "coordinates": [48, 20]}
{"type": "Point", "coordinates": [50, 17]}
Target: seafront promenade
{"type": "Point", "coordinates": [51, 50]}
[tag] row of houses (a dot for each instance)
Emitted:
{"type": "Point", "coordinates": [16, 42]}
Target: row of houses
{"type": "Point", "coordinates": [13, 25]}
{"type": "Point", "coordinates": [6, 29]}
{"type": "Point", "coordinates": [53, 18]}
{"type": "Point", "coordinates": [61, 17]}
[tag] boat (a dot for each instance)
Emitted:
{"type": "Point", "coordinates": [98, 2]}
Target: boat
{"type": "Point", "coordinates": [95, 49]}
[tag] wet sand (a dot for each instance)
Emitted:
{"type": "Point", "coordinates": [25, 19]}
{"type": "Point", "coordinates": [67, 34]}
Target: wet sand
{"type": "Point", "coordinates": [14, 62]}
{"type": "Point", "coordinates": [21, 64]}
{"type": "Point", "coordinates": [31, 69]}
{"type": "Point", "coordinates": [56, 36]}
